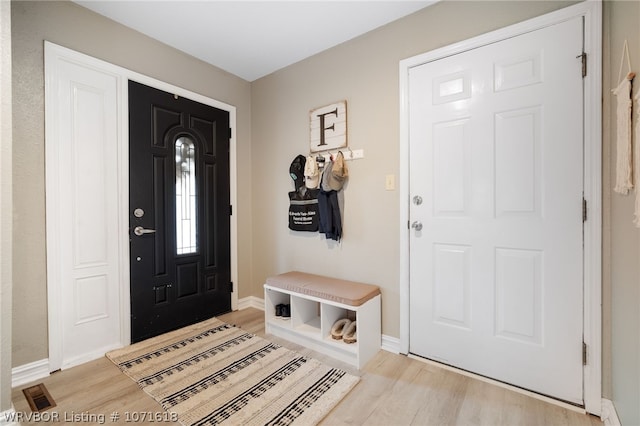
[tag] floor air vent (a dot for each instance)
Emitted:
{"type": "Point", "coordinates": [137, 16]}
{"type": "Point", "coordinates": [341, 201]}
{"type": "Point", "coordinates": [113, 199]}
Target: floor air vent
{"type": "Point", "coordinates": [38, 397]}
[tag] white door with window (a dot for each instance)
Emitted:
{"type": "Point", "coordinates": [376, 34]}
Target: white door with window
{"type": "Point", "coordinates": [496, 187]}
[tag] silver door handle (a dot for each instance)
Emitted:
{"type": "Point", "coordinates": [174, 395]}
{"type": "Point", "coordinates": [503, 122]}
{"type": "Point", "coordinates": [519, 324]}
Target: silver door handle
{"type": "Point", "coordinates": [139, 231]}
{"type": "Point", "coordinates": [417, 225]}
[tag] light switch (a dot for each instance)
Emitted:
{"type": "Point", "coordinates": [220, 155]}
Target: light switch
{"type": "Point", "coordinates": [390, 182]}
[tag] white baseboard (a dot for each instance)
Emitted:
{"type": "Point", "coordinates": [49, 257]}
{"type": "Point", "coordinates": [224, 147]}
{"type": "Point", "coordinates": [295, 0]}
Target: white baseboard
{"type": "Point", "coordinates": [251, 302]}
{"type": "Point", "coordinates": [29, 372]}
{"type": "Point", "coordinates": [390, 344]}
{"type": "Point", "coordinates": [609, 415]}
{"type": "Point", "coordinates": [6, 417]}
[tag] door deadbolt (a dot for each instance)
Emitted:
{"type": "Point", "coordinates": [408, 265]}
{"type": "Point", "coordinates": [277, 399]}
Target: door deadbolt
{"type": "Point", "coordinates": [417, 200]}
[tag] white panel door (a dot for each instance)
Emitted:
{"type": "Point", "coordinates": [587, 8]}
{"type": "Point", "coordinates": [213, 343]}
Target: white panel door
{"type": "Point", "coordinates": [496, 152]}
{"type": "Point", "coordinates": [82, 199]}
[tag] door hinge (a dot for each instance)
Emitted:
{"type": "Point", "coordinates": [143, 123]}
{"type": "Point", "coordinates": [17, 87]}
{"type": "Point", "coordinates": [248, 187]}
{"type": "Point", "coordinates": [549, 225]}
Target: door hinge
{"type": "Point", "coordinates": [584, 210]}
{"type": "Point", "coordinates": [230, 210]}
{"type": "Point", "coordinates": [231, 286]}
{"type": "Point", "coordinates": [584, 63]}
{"type": "Point", "coordinates": [584, 353]}
{"type": "Point", "coordinates": [230, 132]}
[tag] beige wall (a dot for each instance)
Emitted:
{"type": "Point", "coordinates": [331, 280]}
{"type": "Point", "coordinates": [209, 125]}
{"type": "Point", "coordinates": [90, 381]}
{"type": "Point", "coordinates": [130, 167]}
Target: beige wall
{"type": "Point", "coordinates": [363, 71]}
{"type": "Point", "coordinates": [72, 26]}
{"type": "Point", "coordinates": [621, 272]}
{"type": "Point", "coordinates": [5, 207]}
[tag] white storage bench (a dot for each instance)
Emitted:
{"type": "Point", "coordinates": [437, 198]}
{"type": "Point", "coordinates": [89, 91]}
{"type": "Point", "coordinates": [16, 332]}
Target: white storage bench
{"type": "Point", "coordinates": [317, 302]}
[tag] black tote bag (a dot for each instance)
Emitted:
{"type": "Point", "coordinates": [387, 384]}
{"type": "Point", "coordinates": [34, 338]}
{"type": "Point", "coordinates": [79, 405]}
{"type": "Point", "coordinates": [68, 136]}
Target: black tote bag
{"type": "Point", "coordinates": [303, 210]}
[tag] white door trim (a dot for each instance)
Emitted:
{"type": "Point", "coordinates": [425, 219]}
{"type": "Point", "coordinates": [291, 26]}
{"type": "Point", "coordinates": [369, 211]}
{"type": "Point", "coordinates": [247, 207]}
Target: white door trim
{"type": "Point", "coordinates": [591, 11]}
{"type": "Point", "coordinates": [53, 54]}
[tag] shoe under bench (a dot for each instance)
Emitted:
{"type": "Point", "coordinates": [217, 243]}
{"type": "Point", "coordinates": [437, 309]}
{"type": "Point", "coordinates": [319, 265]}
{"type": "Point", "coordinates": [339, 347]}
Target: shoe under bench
{"type": "Point", "coordinates": [316, 303]}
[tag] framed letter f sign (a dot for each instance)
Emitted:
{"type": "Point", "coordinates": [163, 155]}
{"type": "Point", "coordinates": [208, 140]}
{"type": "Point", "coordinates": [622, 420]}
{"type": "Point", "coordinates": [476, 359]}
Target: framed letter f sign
{"type": "Point", "coordinates": [328, 127]}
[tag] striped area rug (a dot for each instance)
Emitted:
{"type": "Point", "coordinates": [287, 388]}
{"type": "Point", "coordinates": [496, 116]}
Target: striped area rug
{"type": "Point", "coordinates": [214, 373]}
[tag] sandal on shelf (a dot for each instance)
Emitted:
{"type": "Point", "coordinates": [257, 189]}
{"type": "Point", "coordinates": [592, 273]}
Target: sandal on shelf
{"type": "Point", "coordinates": [349, 335]}
{"type": "Point", "coordinates": [339, 327]}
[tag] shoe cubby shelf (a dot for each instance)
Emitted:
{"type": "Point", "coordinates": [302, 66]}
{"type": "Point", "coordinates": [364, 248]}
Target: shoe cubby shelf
{"type": "Point", "coordinates": [311, 321]}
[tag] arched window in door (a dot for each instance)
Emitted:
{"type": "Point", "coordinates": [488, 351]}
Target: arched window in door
{"type": "Point", "coordinates": [186, 196]}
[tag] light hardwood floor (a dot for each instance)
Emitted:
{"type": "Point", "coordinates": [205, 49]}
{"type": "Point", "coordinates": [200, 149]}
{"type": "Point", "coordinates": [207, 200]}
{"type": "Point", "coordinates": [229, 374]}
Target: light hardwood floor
{"type": "Point", "coordinates": [394, 390]}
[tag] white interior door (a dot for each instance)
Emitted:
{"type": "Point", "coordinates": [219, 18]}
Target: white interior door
{"type": "Point", "coordinates": [82, 212]}
{"type": "Point", "coordinates": [496, 155]}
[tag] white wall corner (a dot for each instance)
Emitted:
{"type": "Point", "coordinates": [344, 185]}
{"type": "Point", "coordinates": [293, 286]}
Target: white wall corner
{"type": "Point", "coordinates": [609, 414]}
{"type": "Point", "coordinates": [7, 417]}
{"type": "Point", "coordinates": [29, 372]}
{"type": "Point", "coordinates": [251, 302]}
{"type": "Point", "coordinates": [390, 344]}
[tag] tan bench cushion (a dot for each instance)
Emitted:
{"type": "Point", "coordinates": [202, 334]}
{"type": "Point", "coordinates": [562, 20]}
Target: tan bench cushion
{"type": "Point", "coordinates": [342, 291]}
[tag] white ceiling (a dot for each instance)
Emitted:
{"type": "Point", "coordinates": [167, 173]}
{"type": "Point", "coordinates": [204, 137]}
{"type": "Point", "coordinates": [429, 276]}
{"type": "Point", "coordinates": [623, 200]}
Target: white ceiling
{"type": "Point", "coordinates": [253, 38]}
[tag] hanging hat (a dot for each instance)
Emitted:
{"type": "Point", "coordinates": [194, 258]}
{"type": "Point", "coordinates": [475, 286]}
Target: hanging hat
{"type": "Point", "coordinates": [311, 173]}
{"type": "Point", "coordinates": [339, 172]}
{"type": "Point", "coordinates": [326, 176]}
{"type": "Point", "coordinates": [296, 171]}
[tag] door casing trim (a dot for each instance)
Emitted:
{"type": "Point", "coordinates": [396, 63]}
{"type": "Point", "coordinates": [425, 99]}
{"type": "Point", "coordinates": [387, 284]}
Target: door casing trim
{"type": "Point", "coordinates": [591, 12]}
{"type": "Point", "coordinates": [54, 53]}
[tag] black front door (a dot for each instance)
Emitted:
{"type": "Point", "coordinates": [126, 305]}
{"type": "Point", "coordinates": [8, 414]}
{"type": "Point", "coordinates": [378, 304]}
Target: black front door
{"type": "Point", "coordinates": [179, 211]}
